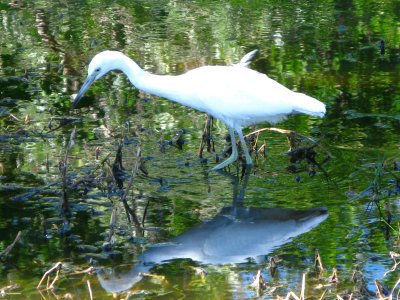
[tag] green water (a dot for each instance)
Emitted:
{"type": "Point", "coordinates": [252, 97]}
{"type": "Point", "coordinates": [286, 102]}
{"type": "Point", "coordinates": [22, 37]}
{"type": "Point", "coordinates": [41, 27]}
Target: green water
{"type": "Point", "coordinates": [330, 50]}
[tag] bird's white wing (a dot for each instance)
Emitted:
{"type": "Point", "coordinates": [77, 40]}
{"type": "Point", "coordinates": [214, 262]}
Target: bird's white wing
{"type": "Point", "coordinates": [240, 96]}
{"type": "Point", "coordinates": [246, 60]}
{"type": "Point", "coordinates": [236, 95]}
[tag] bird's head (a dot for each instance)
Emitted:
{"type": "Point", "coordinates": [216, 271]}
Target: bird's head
{"type": "Point", "coordinates": [101, 64]}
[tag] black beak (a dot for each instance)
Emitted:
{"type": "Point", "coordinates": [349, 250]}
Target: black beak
{"type": "Point", "coordinates": [86, 85]}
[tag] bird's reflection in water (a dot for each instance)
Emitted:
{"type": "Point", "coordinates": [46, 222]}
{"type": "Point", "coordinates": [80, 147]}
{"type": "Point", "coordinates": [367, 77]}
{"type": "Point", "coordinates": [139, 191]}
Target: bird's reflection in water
{"type": "Point", "coordinates": [236, 234]}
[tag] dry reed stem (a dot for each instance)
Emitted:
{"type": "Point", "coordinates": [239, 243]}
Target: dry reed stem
{"type": "Point", "coordinates": [4, 291]}
{"type": "Point", "coordinates": [284, 131]}
{"type": "Point", "coordinates": [259, 283]}
{"type": "Point", "coordinates": [15, 118]}
{"type": "Point", "coordinates": [291, 294]}
{"type": "Point", "coordinates": [256, 141]}
{"type": "Point", "coordinates": [380, 293]}
{"type": "Point", "coordinates": [393, 255]}
{"type": "Point", "coordinates": [394, 287]}
{"type": "Point", "coordinates": [86, 271]}
{"type": "Point", "coordinates": [334, 278]}
{"type": "Point", "coordinates": [90, 289]}
{"type": "Point", "coordinates": [341, 298]}
{"type": "Point", "coordinates": [318, 261]}
{"type": "Point", "coordinates": [46, 274]}
{"type": "Point", "coordinates": [51, 286]}
{"type": "Point", "coordinates": [290, 134]}
{"type": "Point", "coordinates": [323, 294]}
{"type": "Point", "coordinates": [303, 288]}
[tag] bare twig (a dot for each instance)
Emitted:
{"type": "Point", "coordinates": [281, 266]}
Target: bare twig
{"type": "Point", "coordinates": [47, 273]}
{"type": "Point", "coordinates": [283, 131]}
{"type": "Point", "coordinates": [200, 272]}
{"type": "Point", "coordinates": [291, 294]}
{"type": "Point", "coordinates": [334, 277]}
{"type": "Point", "coordinates": [71, 142]}
{"type": "Point", "coordinates": [30, 194]}
{"type": "Point", "coordinates": [85, 271]}
{"type": "Point", "coordinates": [303, 287]}
{"type": "Point", "coordinates": [323, 294]}
{"type": "Point", "coordinates": [206, 137]}
{"type": "Point", "coordinates": [382, 292]}
{"type": "Point", "coordinates": [63, 170]}
{"type": "Point", "coordinates": [97, 152]}
{"type": "Point", "coordinates": [4, 291]}
{"type": "Point", "coordinates": [145, 212]}
{"type": "Point", "coordinates": [301, 148]}
{"type": "Point", "coordinates": [130, 213]}
{"type": "Point", "coordinates": [90, 289]}
{"type": "Point", "coordinates": [51, 286]}
{"type": "Point", "coordinates": [117, 168]}
{"type": "Point", "coordinates": [6, 251]}
{"type": "Point", "coordinates": [394, 287]}
{"type": "Point", "coordinates": [113, 221]}
{"type": "Point", "coordinates": [396, 264]}
{"type": "Point", "coordinates": [318, 261]}
{"type": "Point", "coordinates": [259, 283]}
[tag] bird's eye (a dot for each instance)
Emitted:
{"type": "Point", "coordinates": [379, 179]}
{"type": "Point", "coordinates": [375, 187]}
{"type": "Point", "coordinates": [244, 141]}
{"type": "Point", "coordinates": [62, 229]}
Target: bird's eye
{"type": "Point", "coordinates": [97, 70]}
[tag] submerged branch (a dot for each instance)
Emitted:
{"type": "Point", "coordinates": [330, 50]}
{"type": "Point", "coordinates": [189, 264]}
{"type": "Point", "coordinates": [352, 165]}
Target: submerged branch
{"type": "Point", "coordinates": [63, 165]}
{"type": "Point", "coordinates": [206, 138]}
{"type": "Point", "coordinates": [130, 213]}
{"type": "Point", "coordinates": [6, 251]}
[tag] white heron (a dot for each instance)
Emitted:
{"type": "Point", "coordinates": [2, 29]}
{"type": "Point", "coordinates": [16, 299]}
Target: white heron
{"type": "Point", "coordinates": [236, 95]}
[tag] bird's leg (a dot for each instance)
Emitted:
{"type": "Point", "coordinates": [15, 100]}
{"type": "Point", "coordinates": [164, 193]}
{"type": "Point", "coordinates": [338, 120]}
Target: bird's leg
{"type": "Point", "coordinates": [233, 156]}
{"type": "Point", "coordinates": [249, 162]}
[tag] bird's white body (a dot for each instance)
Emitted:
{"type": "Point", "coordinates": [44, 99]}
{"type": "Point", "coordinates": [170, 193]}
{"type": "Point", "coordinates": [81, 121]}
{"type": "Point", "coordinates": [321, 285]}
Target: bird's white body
{"type": "Point", "coordinates": [236, 95]}
{"type": "Point", "coordinates": [221, 92]}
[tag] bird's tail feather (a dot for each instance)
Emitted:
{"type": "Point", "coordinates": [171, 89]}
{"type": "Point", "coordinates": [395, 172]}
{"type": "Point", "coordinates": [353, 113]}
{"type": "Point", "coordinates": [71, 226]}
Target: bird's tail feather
{"type": "Point", "coordinates": [310, 106]}
{"type": "Point", "coordinates": [246, 60]}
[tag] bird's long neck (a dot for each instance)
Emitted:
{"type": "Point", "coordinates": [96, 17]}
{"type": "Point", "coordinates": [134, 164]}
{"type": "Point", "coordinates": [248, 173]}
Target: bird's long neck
{"type": "Point", "coordinates": [165, 86]}
{"type": "Point", "coordinates": [131, 70]}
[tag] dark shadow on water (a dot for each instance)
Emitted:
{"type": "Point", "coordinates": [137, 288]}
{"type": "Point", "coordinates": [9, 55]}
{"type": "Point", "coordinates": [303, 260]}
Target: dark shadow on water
{"type": "Point", "coordinates": [236, 234]}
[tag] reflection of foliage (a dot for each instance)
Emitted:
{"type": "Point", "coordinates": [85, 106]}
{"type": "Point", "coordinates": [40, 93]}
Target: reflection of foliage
{"type": "Point", "coordinates": [328, 49]}
{"type": "Point", "coordinates": [384, 185]}
{"type": "Point", "coordinates": [383, 190]}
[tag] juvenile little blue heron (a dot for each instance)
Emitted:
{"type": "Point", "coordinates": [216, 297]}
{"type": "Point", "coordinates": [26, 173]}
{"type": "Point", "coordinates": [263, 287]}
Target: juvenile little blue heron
{"type": "Point", "coordinates": [236, 95]}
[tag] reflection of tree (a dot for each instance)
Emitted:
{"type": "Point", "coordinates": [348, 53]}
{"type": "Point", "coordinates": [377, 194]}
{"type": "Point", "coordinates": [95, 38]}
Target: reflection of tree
{"type": "Point", "coordinates": [43, 28]}
{"type": "Point", "coordinates": [44, 32]}
{"type": "Point", "coordinates": [10, 158]}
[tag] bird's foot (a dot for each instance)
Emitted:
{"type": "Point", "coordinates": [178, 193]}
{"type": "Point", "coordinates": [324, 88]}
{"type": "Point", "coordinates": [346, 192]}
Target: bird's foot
{"type": "Point", "coordinates": [226, 162]}
{"type": "Point", "coordinates": [221, 166]}
{"type": "Point", "coordinates": [229, 161]}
